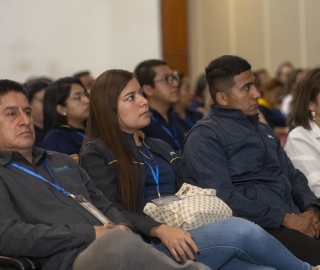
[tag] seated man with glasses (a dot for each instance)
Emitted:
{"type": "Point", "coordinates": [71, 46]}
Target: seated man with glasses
{"type": "Point", "coordinates": [160, 86]}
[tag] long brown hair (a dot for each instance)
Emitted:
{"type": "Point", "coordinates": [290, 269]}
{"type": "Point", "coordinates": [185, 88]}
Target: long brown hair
{"type": "Point", "coordinates": [103, 124]}
{"type": "Point", "coordinates": [307, 91]}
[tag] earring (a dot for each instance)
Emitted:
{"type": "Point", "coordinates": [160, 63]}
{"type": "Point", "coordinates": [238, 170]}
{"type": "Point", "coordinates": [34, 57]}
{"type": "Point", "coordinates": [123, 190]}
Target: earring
{"type": "Point", "coordinates": [313, 115]}
{"type": "Point", "coordinates": [64, 114]}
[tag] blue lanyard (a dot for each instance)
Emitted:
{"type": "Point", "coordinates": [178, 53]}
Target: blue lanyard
{"type": "Point", "coordinates": [173, 135]}
{"type": "Point", "coordinates": [81, 134]}
{"type": "Point", "coordinates": [155, 173]}
{"type": "Point", "coordinates": [56, 185]}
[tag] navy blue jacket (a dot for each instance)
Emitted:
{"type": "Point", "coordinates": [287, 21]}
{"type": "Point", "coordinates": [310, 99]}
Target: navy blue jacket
{"type": "Point", "coordinates": [65, 139]}
{"type": "Point", "coordinates": [168, 132]}
{"type": "Point", "coordinates": [244, 161]}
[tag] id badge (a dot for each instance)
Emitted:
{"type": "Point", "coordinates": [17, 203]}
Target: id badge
{"type": "Point", "coordinates": [164, 200]}
{"type": "Point", "coordinates": [91, 208]}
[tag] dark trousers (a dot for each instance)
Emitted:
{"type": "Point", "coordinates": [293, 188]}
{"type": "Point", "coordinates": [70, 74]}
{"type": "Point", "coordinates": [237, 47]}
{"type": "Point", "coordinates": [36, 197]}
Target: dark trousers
{"type": "Point", "coordinates": [302, 246]}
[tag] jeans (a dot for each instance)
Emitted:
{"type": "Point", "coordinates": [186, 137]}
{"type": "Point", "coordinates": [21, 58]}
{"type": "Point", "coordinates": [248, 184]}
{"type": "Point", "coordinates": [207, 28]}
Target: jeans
{"type": "Point", "coordinates": [236, 243]}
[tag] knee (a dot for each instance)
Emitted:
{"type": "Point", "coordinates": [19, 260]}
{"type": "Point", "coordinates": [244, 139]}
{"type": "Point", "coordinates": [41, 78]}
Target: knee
{"type": "Point", "coordinates": [246, 228]}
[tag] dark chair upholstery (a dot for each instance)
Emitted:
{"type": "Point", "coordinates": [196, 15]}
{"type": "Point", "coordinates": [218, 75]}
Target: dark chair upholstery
{"type": "Point", "coordinates": [19, 263]}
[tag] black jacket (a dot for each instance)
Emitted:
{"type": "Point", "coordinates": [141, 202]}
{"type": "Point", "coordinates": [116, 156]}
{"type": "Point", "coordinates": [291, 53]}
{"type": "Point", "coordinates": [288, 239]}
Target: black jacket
{"type": "Point", "coordinates": [101, 165]}
{"type": "Point", "coordinates": [37, 220]}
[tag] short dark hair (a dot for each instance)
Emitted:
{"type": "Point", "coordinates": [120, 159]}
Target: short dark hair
{"type": "Point", "coordinates": [145, 72]}
{"type": "Point", "coordinates": [79, 74]}
{"type": "Point", "coordinates": [56, 93]}
{"type": "Point", "coordinates": [221, 71]}
{"type": "Point", "coordinates": [36, 85]}
{"type": "Point", "coordinates": [307, 91]}
{"type": "Point", "coordinates": [7, 86]}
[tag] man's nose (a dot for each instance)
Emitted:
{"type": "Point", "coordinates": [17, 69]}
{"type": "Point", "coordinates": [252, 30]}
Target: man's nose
{"type": "Point", "coordinates": [256, 94]}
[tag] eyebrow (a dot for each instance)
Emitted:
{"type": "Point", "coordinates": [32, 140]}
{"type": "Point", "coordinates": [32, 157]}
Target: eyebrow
{"type": "Point", "coordinates": [248, 84]}
{"type": "Point", "coordinates": [27, 108]}
{"type": "Point", "coordinates": [133, 92]}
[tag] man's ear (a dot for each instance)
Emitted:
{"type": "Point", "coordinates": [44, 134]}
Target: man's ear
{"type": "Point", "coordinates": [147, 90]}
{"type": "Point", "coordinates": [221, 98]}
{"type": "Point", "coordinates": [61, 110]}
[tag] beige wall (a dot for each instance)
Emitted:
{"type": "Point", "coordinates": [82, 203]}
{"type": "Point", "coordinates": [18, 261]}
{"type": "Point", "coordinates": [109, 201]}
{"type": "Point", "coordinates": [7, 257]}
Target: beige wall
{"type": "Point", "coordinates": [265, 32]}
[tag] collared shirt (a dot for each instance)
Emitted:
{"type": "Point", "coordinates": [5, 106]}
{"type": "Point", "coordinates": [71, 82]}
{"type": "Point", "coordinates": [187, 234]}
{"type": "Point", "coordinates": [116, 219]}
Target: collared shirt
{"type": "Point", "coordinates": [158, 128]}
{"type": "Point", "coordinates": [38, 220]}
{"type": "Point", "coordinates": [65, 139]}
{"type": "Point", "coordinates": [303, 148]}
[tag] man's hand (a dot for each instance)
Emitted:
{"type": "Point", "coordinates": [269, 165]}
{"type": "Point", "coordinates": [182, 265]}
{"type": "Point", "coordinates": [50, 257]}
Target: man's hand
{"type": "Point", "coordinates": [100, 230]}
{"type": "Point", "coordinates": [178, 241]}
{"type": "Point", "coordinates": [306, 222]}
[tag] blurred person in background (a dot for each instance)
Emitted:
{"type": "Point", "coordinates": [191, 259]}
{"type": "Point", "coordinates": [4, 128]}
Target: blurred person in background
{"type": "Point", "coordinates": [290, 87]}
{"type": "Point", "coordinates": [200, 95]}
{"type": "Point", "coordinates": [36, 89]}
{"type": "Point", "coordinates": [66, 109]}
{"type": "Point", "coordinates": [269, 103]}
{"type": "Point", "coordinates": [261, 77]}
{"type": "Point", "coordinates": [86, 79]}
{"type": "Point", "coordinates": [186, 117]}
{"type": "Point", "coordinates": [283, 71]}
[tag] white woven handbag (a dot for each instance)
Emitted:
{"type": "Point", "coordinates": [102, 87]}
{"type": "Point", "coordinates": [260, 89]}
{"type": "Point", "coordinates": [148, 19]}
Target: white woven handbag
{"type": "Point", "coordinates": [197, 207]}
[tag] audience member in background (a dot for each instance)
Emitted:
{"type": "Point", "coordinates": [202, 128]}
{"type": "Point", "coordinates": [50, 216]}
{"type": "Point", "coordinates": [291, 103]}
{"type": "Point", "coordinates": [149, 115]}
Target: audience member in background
{"type": "Point", "coordinates": [290, 87]}
{"type": "Point", "coordinates": [283, 71]}
{"type": "Point", "coordinates": [160, 86]}
{"type": "Point", "coordinates": [200, 95]}
{"type": "Point", "coordinates": [66, 109]}
{"type": "Point", "coordinates": [85, 78]}
{"type": "Point", "coordinates": [36, 89]}
{"type": "Point", "coordinates": [231, 151]}
{"type": "Point", "coordinates": [186, 117]}
{"type": "Point", "coordinates": [120, 160]}
{"type": "Point", "coordinates": [261, 77]}
{"type": "Point", "coordinates": [39, 218]}
{"type": "Point", "coordinates": [303, 144]}
{"type": "Point", "coordinates": [269, 103]}
{"type": "Point", "coordinates": [272, 95]}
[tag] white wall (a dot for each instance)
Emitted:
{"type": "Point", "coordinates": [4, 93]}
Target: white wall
{"type": "Point", "coordinates": [56, 38]}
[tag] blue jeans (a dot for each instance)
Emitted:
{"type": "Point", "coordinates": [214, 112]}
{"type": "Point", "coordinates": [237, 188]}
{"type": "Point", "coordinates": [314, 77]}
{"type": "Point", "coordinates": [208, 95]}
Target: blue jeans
{"type": "Point", "coordinates": [236, 243]}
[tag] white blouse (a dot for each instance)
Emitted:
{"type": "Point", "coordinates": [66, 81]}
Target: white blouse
{"type": "Point", "coordinates": [303, 148]}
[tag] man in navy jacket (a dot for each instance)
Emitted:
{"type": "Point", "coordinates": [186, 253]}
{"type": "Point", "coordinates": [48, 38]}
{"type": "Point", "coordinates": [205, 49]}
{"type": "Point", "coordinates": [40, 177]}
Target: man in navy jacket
{"type": "Point", "coordinates": [231, 151]}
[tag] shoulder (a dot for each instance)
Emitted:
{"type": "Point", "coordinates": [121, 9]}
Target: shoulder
{"type": "Point", "coordinates": [299, 133]}
{"type": "Point", "coordinates": [96, 146]}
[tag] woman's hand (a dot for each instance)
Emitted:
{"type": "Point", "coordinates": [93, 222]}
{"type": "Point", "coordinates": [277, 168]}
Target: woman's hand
{"type": "Point", "coordinates": [178, 242]}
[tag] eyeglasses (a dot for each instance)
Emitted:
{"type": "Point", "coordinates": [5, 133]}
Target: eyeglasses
{"type": "Point", "coordinates": [79, 96]}
{"type": "Point", "coordinates": [168, 79]}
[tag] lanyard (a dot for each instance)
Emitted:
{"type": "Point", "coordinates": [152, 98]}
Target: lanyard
{"type": "Point", "coordinates": [155, 173]}
{"type": "Point", "coordinates": [81, 134]}
{"type": "Point", "coordinates": [56, 185]}
{"type": "Point", "coordinates": [173, 135]}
